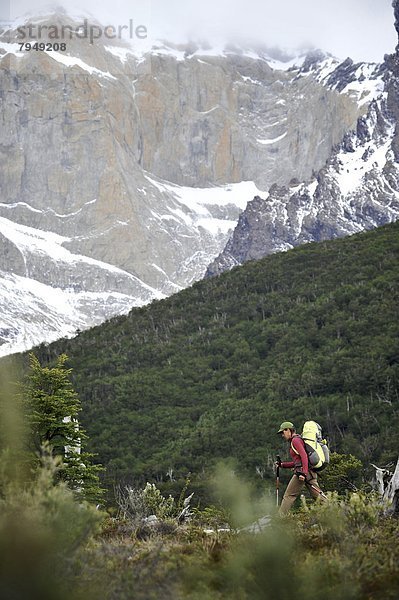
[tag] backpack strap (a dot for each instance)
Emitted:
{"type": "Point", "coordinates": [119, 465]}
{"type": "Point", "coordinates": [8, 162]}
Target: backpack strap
{"type": "Point", "coordinates": [292, 446]}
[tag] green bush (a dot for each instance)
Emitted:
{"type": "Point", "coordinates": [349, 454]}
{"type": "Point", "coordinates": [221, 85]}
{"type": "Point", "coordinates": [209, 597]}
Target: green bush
{"type": "Point", "coordinates": [43, 534]}
{"type": "Point", "coordinates": [342, 474]}
{"type": "Point", "coordinates": [349, 541]}
{"type": "Point", "coordinates": [157, 504]}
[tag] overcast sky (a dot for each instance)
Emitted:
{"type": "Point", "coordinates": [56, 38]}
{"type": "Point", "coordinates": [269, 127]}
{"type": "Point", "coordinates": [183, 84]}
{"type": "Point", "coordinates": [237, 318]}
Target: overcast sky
{"type": "Point", "coordinates": [361, 29]}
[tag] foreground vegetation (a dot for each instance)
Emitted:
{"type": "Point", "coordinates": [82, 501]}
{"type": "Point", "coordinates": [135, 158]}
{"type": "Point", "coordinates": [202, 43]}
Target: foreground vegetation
{"type": "Point", "coordinates": [345, 550]}
{"type": "Point", "coordinates": [52, 547]}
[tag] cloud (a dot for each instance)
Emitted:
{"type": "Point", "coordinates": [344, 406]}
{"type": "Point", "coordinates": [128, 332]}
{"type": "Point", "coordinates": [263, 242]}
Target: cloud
{"type": "Point", "coordinates": [362, 29]}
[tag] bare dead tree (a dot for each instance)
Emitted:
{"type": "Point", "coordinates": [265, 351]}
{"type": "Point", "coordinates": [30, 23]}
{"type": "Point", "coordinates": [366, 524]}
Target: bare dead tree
{"type": "Point", "coordinates": [260, 471]}
{"type": "Point", "coordinates": [130, 502]}
{"type": "Point", "coordinates": [388, 486]}
{"type": "Point", "coordinates": [169, 474]}
{"type": "Point", "coordinates": [185, 513]}
{"type": "Point", "coordinates": [391, 494]}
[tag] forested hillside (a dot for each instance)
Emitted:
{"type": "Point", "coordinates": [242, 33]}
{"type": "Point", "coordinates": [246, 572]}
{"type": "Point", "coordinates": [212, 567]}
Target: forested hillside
{"type": "Point", "coordinates": [211, 372]}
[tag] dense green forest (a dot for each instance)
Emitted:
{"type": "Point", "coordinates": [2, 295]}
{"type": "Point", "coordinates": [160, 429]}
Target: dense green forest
{"type": "Point", "coordinates": [211, 372]}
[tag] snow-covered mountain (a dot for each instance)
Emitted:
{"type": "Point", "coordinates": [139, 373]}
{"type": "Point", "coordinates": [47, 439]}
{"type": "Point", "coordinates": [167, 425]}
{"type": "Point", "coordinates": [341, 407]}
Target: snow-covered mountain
{"type": "Point", "coordinates": [123, 172]}
{"type": "Point", "coordinates": [357, 189]}
{"type": "Point", "coordinates": [47, 291]}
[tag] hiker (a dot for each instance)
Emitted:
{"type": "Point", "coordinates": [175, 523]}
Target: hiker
{"type": "Point", "coordinates": [303, 475]}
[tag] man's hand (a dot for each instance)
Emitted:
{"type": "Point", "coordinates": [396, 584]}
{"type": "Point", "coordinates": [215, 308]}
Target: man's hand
{"type": "Point", "coordinates": [302, 477]}
{"type": "Point", "coordinates": [277, 463]}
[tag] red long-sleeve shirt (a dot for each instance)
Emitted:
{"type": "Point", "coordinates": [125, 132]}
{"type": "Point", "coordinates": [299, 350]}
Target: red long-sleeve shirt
{"type": "Point", "coordinates": [300, 460]}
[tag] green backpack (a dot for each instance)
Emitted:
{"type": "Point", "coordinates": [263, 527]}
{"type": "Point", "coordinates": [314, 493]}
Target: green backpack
{"type": "Point", "coordinates": [315, 446]}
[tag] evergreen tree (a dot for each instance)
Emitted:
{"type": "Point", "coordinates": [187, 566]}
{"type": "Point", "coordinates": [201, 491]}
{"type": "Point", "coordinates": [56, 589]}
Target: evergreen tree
{"type": "Point", "coordinates": [52, 407]}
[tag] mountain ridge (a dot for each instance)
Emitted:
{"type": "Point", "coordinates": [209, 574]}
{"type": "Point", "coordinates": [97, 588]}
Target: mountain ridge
{"type": "Point", "coordinates": [126, 142]}
{"type": "Point", "coordinates": [358, 188]}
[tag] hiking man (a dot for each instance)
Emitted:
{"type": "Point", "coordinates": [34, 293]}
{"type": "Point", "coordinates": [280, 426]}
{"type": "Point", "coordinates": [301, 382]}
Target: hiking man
{"type": "Point", "coordinates": [303, 475]}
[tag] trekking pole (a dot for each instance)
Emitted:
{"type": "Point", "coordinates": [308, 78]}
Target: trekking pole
{"type": "Point", "coordinates": [277, 478]}
{"type": "Point", "coordinates": [318, 490]}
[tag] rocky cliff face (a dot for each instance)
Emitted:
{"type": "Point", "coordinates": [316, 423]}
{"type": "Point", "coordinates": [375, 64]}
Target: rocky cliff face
{"type": "Point", "coordinates": [357, 189]}
{"type": "Point", "coordinates": [109, 162]}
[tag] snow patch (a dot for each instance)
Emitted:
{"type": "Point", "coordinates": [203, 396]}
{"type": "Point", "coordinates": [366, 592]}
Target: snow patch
{"type": "Point", "coordinates": [29, 240]}
{"type": "Point", "coordinates": [182, 53]}
{"type": "Point", "coordinates": [352, 166]}
{"type": "Point", "coordinates": [326, 68]}
{"type": "Point", "coordinates": [24, 204]}
{"type": "Point", "coordinates": [365, 90]}
{"type": "Point", "coordinates": [72, 61]}
{"type": "Point", "coordinates": [217, 226]}
{"type": "Point", "coordinates": [278, 65]}
{"type": "Point", "coordinates": [48, 209]}
{"type": "Point", "coordinates": [11, 49]}
{"type": "Point", "coordinates": [32, 312]}
{"type": "Point", "coordinates": [120, 52]}
{"type": "Point", "coordinates": [272, 141]}
{"type": "Point", "coordinates": [197, 199]}
{"type": "Point", "coordinates": [311, 187]}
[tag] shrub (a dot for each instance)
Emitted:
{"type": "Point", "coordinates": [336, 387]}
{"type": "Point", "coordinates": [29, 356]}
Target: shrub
{"type": "Point", "coordinates": [43, 533]}
{"type": "Point", "coordinates": [342, 474]}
